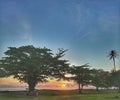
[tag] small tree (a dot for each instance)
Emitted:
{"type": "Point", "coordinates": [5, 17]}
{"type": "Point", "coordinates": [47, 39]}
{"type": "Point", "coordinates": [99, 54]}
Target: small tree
{"type": "Point", "coordinates": [116, 79]}
{"type": "Point", "coordinates": [100, 78]}
{"type": "Point", "coordinates": [32, 65]}
{"type": "Point", "coordinates": [81, 75]}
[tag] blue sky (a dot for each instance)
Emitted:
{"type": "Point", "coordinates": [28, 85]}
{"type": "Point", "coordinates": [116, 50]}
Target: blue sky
{"type": "Point", "coordinates": [88, 28]}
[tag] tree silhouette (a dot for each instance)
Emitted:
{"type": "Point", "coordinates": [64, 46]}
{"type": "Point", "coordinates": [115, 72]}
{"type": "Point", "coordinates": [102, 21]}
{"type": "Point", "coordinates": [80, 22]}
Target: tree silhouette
{"type": "Point", "coordinates": [81, 75]}
{"type": "Point", "coordinates": [116, 79]}
{"type": "Point", "coordinates": [112, 55]}
{"type": "Point", "coordinates": [32, 65]}
{"type": "Point", "coordinates": [100, 78]}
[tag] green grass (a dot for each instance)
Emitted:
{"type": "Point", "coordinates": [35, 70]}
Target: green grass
{"type": "Point", "coordinates": [62, 95]}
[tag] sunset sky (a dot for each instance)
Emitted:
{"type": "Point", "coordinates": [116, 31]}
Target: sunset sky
{"type": "Point", "coordinates": [89, 29]}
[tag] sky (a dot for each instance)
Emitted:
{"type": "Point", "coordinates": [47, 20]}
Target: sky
{"type": "Point", "coordinates": [89, 29]}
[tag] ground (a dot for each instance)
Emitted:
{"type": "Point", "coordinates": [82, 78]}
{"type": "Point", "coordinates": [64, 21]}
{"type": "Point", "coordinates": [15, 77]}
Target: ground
{"type": "Point", "coordinates": [61, 95]}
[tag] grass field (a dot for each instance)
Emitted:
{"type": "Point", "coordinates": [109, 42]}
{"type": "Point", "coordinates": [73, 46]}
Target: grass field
{"type": "Point", "coordinates": [62, 95]}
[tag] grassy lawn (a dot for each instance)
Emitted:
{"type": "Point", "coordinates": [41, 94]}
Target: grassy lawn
{"type": "Point", "coordinates": [61, 95]}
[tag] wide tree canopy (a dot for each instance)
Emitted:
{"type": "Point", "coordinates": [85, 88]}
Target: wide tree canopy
{"type": "Point", "coordinates": [32, 65]}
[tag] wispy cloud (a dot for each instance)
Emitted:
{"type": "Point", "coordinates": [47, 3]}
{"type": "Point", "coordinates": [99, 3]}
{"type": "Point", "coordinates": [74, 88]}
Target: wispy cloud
{"type": "Point", "coordinates": [84, 20]}
{"type": "Point", "coordinates": [91, 21]}
{"type": "Point", "coordinates": [26, 33]}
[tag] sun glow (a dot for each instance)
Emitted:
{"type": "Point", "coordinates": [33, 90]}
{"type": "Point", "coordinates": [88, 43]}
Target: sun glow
{"type": "Point", "coordinates": [63, 86]}
{"type": "Point", "coordinates": [52, 84]}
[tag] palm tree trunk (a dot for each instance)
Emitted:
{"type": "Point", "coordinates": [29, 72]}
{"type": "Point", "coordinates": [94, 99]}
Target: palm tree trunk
{"type": "Point", "coordinates": [114, 64]}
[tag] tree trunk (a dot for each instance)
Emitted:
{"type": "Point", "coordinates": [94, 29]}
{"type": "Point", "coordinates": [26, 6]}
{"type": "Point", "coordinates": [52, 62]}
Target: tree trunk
{"type": "Point", "coordinates": [97, 88]}
{"type": "Point", "coordinates": [31, 89]}
{"type": "Point", "coordinates": [119, 89]}
{"type": "Point", "coordinates": [79, 89]}
{"type": "Point", "coordinates": [114, 64]}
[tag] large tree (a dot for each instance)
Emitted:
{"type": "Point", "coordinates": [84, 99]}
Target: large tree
{"type": "Point", "coordinates": [81, 75]}
{"type": "Point", "coordinates": [32, 65]}
{"type": "Point", "coordinates": [112, 55]}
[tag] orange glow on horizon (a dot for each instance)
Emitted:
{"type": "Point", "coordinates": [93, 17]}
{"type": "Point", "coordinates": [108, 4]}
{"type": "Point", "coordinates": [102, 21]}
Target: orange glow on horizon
{"type": "Point", "coordinates": [52, 84]}
{"type": "Point", "coordinates": [9, 80]}
{"type": "Point", "coordinates": [63, 86]}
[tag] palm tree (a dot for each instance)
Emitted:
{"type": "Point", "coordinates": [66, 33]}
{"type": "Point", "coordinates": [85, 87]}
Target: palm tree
{"type": "Point", "coordinates": [112, 55]}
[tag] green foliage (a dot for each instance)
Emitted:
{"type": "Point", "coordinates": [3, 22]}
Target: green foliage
{"type": "Point", "coordinates": [32, 65]}
{"type": "Point", "coordinates": [2, 72]}
{"type": "Point", "coordinates": [59, 67]}
{"type": "Point", "coordinates": [116, 79]}
{"type": "Point", "coordinates": [81, 75]}
{"type": "Point", "coordinates": [100, 78]}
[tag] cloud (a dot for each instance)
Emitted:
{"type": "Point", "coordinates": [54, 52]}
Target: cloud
{"type": "Point", "coordinates": [25, 28]}
{"type": "Point", "coordinates": [91, 19]}
{"type": "Point", "coordinates": [84, 20]}
{"type": "Point", "coordinates": [26, 33]}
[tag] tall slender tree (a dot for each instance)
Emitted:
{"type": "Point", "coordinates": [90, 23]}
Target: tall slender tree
{"type": "Point", "coordinates": [112, 55]}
